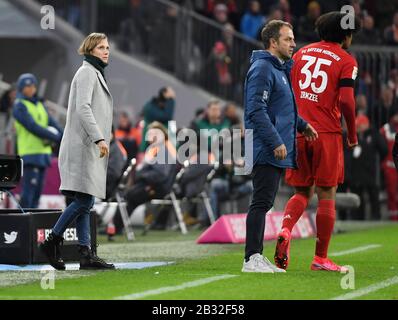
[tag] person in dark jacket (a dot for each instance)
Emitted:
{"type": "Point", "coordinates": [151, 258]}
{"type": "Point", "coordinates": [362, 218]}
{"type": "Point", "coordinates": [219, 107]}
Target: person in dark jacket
{"type": "Point", "coordinates": [368, 34]}
{"type": "Point", "coordinates": [252, 20]}
{"type": "Point", "coordinates": [212, 120]}
{"type": "Point", "coordinates": [365, 167]}
{"type": "Point", "coordinates": [36, 132]}
{"type": "Point", "coordinates": [306, 24]}
{"type": "Point", "coordinates": [155, 176]}
{"type": "Point", "coordinates": [128, 135]}
{"type": "Point", "coordinates": [159, 108]}
{"type": "Point", "coordinates": [271, 115]}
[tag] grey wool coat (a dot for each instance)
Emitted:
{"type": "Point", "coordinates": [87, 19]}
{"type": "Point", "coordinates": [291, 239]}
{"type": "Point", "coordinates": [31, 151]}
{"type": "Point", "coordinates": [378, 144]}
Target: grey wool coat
{"type": "Point", "coordinates": [89, 119]}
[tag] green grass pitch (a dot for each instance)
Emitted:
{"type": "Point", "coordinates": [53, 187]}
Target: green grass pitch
{"type": "Point", "coordinates": [193, 275]}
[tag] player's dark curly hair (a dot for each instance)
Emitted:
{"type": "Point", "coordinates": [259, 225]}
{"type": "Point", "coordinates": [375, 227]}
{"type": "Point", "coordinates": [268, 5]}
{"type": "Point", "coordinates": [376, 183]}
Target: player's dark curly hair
{"type": "Point", "coordinates": [330, 27]}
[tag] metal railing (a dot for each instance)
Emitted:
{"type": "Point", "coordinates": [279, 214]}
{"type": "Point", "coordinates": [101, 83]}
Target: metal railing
{"type": "Point", "coordinates": [375, 65]}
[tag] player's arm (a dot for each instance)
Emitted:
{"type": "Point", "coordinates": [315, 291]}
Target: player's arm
{"type": "Point", "coordinates": [347, 104]}
{"type": "Point", "coordinates": [347, 99]}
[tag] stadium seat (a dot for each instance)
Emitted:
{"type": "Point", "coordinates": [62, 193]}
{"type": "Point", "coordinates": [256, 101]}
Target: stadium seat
{"type": "Point", "coordinates": [117, 201]}
{"type": "Point", "coordinates": [182, 191]}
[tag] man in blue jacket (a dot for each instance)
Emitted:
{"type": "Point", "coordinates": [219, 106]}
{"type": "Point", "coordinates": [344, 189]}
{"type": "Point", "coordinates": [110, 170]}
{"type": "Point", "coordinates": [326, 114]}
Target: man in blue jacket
{"type": "Point", "coordinates": [36, 130]}
{"type": "Point", "coordinates": [271, 114]}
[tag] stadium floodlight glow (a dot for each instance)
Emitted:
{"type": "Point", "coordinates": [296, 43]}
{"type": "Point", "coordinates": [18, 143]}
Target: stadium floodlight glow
{"type": "Point", "coordinates": [10, 171]}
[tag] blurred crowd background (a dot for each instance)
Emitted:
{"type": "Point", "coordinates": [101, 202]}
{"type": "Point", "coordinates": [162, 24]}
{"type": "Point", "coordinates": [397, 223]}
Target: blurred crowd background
{"type": "Point", "coordinates": [207, 44]}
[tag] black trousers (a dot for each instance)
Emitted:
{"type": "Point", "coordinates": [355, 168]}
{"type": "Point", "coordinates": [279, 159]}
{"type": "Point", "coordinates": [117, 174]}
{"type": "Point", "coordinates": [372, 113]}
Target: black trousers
{"type": "Point", "coordinates": [265, 186]}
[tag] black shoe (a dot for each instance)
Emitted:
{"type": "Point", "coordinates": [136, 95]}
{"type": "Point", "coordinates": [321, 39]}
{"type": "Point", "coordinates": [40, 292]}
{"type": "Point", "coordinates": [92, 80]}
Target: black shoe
{"type": "Point", "coordinates": [90, 261]}
{"type": "Point", "coordinates": [51, 249]}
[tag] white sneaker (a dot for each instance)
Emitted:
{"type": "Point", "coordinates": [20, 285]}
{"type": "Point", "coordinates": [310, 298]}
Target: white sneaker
{"type": "Point", "coordinates": [272, 266]}
{"type": "Point", "coordinates": [257, 263]}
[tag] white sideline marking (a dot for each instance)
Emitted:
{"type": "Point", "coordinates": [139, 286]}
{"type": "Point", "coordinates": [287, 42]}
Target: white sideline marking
{"type": "Point", "coordinates": [367, 290]}
{"type": "Point", "coordinates": [355, 250]}
{"type": "Point", "coordinates": [182, 286]}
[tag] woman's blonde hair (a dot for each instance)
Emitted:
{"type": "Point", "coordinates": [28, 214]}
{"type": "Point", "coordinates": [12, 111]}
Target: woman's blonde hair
{"type": "Point", "coordinates": [90, 42]}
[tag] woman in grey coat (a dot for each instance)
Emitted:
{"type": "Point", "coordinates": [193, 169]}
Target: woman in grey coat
{"type": "Point", "coordinates": [83, 156]}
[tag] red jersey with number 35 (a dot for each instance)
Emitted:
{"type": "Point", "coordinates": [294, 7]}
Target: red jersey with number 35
{"type": "Point", "coordinates": [318, 72]}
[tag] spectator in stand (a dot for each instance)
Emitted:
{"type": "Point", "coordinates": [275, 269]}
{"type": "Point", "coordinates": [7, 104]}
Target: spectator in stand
{"type": "Point", "coordinates": [219, 66]}
{"type": "Point", "coordinates": [364, 82]}
{"type": "Point", "coordinates": [233, 89]}
{"type": "Point", "coordinates": [389, 131]}
{"type": "Point", "coordinates": [306, 25]}
{"type": "Point", "coordinates": [383, 11]}
{"type": "Point", "coordinates": [231, 114]}
{"type": "Point", "coordinates": [220, 14]}
{"type": "Point", "coordinates": [163, 40]}
{"type": "Point", "coordinates": [128, 135]}
{"type": "Point", "coordinates": [287, 15]}
{"type": "Point", "coordinates": [383, 109]}
{"type": "Point", "coordinates": [275, 14]}
{"type": "Point", "coordinates": [368, 34]}
{"type": "Point", "coordinates": [159, 108]}
{"type": "Point", "coordinates": [356, 4]}
{"type": "Point", "coordinates": [393, 82]}
{"type": "Point", "coordinates": [37, 132]}
{"type": "Point", "coordinates": [364, 167]}
{"type": "Point", "coordinates": [230, 5]}
{"type": "Point", "coordinates": [252, 20]}
{"type": "Point", "coordinates": [391, 32]}
{"type": "Point", "coordinates": [361, 104]}
{"type": "Point", "coordinates": [154, 176]}
{"type": "Point", "coordinates": [212, 119]}
{"type": "Point", "coordinates": [228, 36]}
{"type": "Point", "coordinates": [134, 33]}
{"type": "Point", "coordinates": [200, 113]}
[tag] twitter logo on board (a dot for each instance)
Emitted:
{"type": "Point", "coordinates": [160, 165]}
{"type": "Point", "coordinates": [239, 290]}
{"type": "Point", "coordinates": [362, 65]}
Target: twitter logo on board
{"type": "Point", "coordinates": [10, 238]}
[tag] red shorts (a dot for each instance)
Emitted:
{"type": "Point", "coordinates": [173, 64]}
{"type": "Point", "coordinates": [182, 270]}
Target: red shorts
{"type": "Point", "coordinates": [320, 162]}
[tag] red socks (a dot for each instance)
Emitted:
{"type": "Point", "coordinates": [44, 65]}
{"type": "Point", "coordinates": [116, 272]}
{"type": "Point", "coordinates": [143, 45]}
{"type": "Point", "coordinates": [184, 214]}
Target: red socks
{"type": "Point", "coordinates": [325, 217]}
{"type": "Point", "coordinates": [293, 211]}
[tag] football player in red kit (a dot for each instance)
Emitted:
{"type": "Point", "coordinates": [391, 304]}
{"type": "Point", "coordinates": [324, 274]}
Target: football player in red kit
{"type": "Point", "coordinates": [323, 78]}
